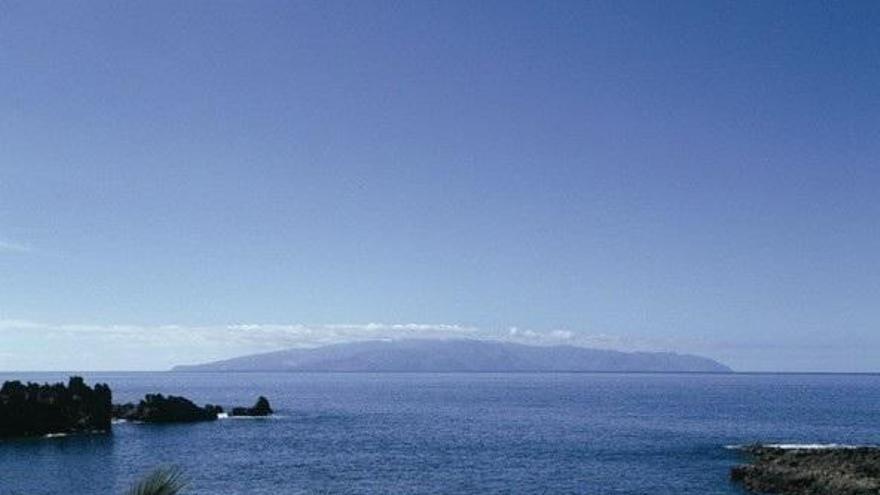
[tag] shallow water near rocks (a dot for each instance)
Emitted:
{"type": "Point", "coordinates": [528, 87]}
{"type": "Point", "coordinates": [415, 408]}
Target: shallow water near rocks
{"type": "Point", "coordinates": [397, 433]}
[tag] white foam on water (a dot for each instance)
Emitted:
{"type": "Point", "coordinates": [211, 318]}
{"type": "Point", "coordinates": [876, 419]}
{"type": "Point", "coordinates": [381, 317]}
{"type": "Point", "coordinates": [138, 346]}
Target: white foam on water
{"type": "Point", "coordinates": [56, 435]}
{"type": "Point", "coordinates": [813, 446]}
{"type": "Point", "coordinates": [224, 415]}
{"type": "Point", "coordinates": [800, 446]}
{"type": "Point", "coordinates": [261, 418]}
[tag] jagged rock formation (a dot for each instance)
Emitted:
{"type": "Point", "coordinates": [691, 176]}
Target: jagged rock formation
{"type": "Point", "coordinates": [261, 408]}
{"type": "Point", "coordinates": [157, 408]}
{"type": "Point", "coordinates": [37, 410]}
{"type": "Point", "coordinates": [838, 471]}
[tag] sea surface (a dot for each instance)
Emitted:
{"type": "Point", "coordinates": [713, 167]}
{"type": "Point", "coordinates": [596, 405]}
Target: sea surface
{"type": "Point", "coordinates": [398, 433]}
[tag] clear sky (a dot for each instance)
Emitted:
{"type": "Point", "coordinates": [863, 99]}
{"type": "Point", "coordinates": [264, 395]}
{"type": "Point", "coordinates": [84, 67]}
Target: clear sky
{"type": "Point", "coordinates": [182, 181]}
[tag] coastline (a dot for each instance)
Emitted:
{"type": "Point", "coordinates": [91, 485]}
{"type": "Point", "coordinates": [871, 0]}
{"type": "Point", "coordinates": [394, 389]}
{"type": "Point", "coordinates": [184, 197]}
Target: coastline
{"type": "Point", "coordinates": [810, 469]}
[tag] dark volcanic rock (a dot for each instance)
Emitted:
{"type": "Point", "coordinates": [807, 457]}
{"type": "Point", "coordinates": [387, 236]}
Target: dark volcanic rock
{"type": "Point", "coordinates": [261, 408]}
{"type": "Point", "coordinates": [157, 408]}
{"type": "Point", "coordinates": [838, 471]}
{"type": "Point", "coordinates": [36, 410]}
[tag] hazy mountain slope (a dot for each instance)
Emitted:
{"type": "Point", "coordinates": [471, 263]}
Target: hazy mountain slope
{"type": "Point", "coordinates": [458, 355]}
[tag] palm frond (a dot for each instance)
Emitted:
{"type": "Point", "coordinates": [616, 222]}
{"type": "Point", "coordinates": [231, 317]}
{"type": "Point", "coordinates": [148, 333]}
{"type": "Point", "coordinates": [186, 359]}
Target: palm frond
{"type": "Point", "coordinates": [162, 481]}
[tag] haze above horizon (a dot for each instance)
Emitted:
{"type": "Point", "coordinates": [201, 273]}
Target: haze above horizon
{"type": "Point", "coordinates": [190, 181]}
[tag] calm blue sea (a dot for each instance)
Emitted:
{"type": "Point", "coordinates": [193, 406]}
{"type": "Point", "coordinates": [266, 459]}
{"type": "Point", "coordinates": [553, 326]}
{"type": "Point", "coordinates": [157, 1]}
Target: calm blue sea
{"type": "Point", "coordinates": [659, 434]}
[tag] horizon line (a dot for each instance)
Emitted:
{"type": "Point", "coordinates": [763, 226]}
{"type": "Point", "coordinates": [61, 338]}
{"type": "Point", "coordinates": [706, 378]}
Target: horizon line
{"type": "Point", "coordinates": [746, 373]}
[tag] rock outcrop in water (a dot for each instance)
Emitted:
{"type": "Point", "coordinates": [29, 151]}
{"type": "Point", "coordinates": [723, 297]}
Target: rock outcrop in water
{"type": "Point", "coordinates": [37, 410]}
{"type": "Point", "coordinates": [838, 471]}
{"type": "Point", "coordinates": [261, 408]}
{"type": "Point", "coordinates": [157, 408]}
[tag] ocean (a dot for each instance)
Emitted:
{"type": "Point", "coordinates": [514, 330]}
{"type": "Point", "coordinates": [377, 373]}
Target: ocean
{"type": "Point", "coordinates": [399, 433]}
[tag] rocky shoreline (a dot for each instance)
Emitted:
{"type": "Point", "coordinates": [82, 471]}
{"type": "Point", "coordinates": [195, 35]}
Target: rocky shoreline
{"type": "Point", "coordinates": [33, 410]}
{"type": "Point", "coordinates": [261, 408]}
{"type": "Point", "coordinates": [157, 408]}
{"type": "Point", "coordinates": [28, 410]}
{"type": "Point", "coordinates": [810, 471]}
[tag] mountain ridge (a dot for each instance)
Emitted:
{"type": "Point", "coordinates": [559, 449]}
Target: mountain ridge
{"type": "Point", "coordinates": [459, 355]}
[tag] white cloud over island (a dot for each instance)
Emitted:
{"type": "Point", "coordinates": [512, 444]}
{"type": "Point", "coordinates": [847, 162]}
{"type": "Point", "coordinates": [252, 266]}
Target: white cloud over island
{"type": "Point", "coordinates": [36, 345]}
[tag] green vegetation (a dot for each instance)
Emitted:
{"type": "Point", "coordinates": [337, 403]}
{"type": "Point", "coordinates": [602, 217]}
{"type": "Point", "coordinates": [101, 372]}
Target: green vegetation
{"type": "Point", "coordinates": [162, 481]}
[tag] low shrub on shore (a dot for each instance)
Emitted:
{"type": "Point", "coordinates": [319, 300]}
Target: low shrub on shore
{"type": "Point", "coordinates": [162, 481]}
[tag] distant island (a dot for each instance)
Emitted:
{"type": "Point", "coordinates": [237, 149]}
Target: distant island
{"type": "Point", "coordinates": [460, 355]}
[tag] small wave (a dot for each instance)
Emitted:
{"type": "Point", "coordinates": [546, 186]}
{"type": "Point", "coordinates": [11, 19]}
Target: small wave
{"type": "Point", "coordinates": [799, 446]}
{"type": "Point", "coordinates": [813, 446]}
{"type": "Point", "coordinates": [56, 435]}
{"type": "Point", "coordinates": [259, 418]}
{"type": "Point", "coordinates": [224, 415]}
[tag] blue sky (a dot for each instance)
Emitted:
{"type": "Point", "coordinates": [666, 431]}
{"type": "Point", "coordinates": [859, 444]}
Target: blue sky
{"type": "Point", "coordinates": [182, 181]}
